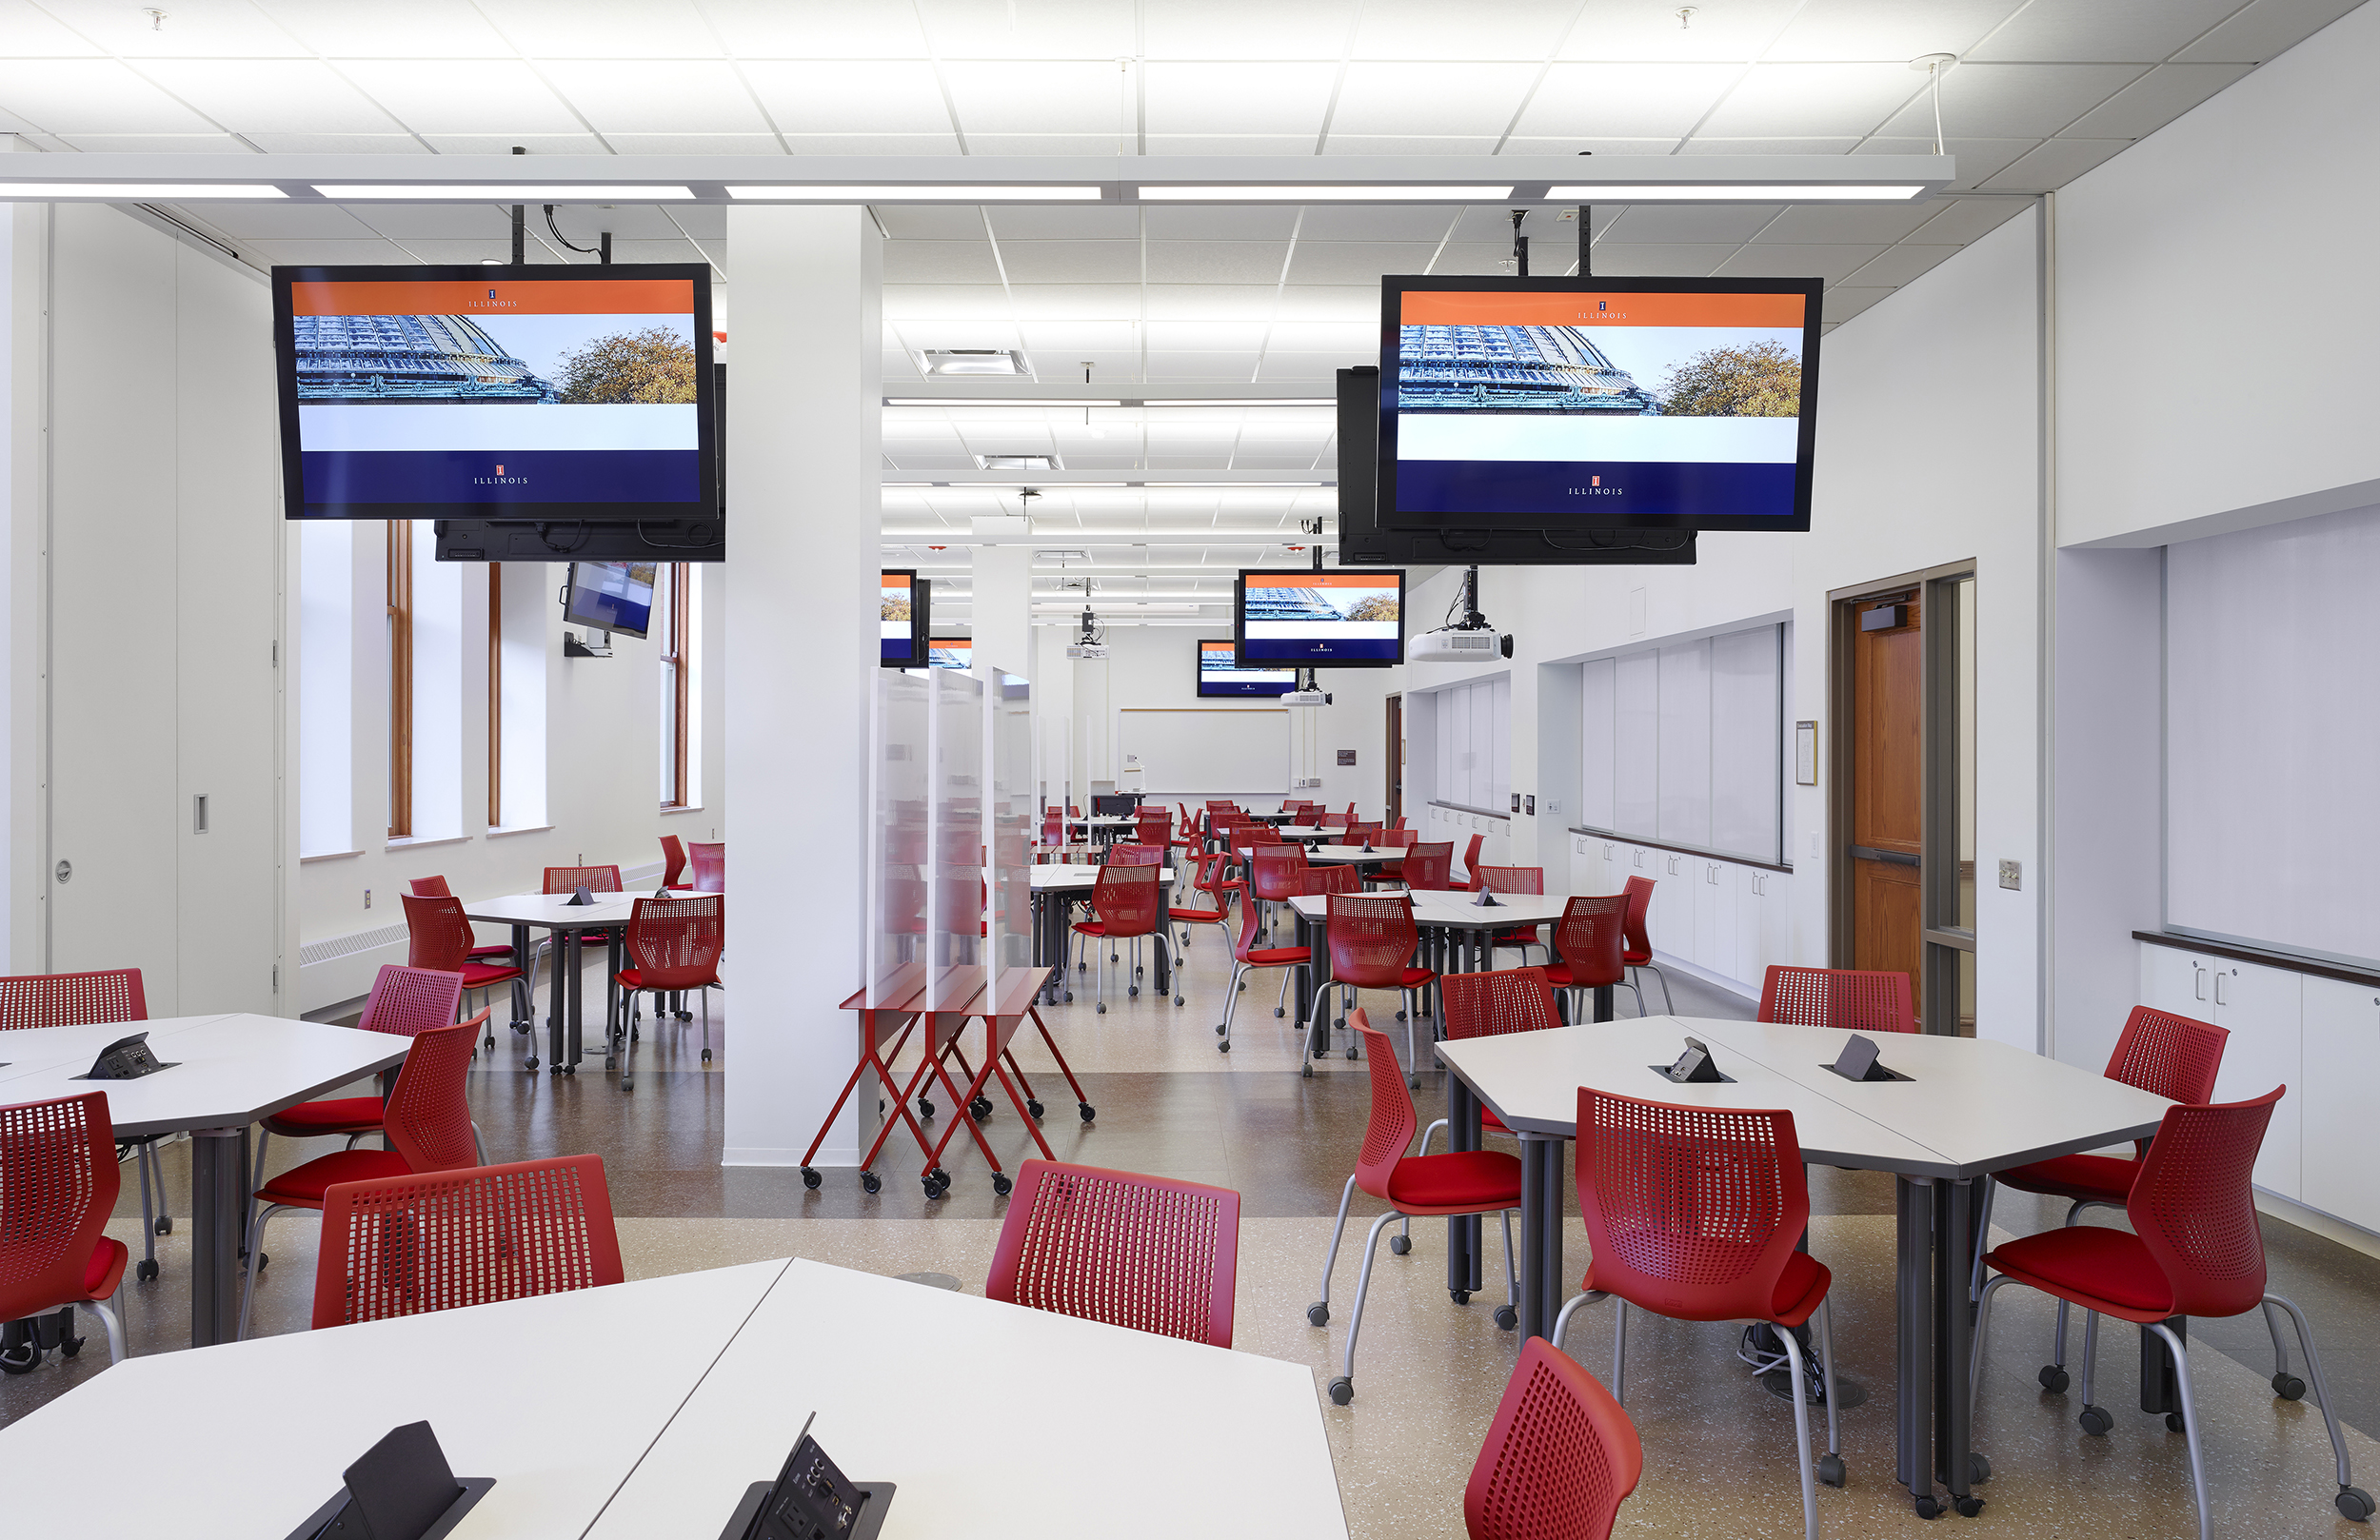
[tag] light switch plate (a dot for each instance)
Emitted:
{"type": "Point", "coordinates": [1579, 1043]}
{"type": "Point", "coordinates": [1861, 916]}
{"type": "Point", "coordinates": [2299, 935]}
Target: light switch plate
{"type": "Point", "coordinates": [2012, 874]}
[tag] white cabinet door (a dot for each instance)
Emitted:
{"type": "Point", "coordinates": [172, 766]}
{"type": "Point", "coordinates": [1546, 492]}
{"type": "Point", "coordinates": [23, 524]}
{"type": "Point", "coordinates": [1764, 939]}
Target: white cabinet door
{"type": "Point", "coordinates": [1754, 897]}
{"type": "Point", "coordinates": [2178, 981]}
{"type": "Point", "coordinates": [1587, 865]}
{"type": "Point", "coordinates": [1715, 913]}
{"type": "Point", "coordinates": [1670, 919]}
{"type": "Point", "coordinates": [2341, 1064]}
{"type": "Point", "coordinates": [2263, 1009]}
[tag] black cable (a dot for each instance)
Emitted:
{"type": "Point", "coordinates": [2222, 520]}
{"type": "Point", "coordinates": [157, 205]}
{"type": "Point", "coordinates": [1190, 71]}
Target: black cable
{"type": "Point", "coordinates": [583, 251]}
{"type": "Point", "coordinates": [669, 546]}
{"type": "Point", "coordinates": [584, 533]}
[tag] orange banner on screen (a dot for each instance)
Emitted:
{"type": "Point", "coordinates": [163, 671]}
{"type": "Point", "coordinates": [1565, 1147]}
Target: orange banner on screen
{"type": "Point", "coordinates": [1326, 580]}
{"type": "Point", "coordinates": [893, 580]}
{"type": "Point", "coordinates": [1443, 308]}
{"type": "Point", "coordinates": [594, 296]}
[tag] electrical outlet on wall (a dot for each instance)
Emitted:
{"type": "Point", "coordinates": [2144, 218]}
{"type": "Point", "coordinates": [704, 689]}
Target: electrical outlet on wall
{"type": "Point", "coordinates": [367, 897]}
{"type": "Point", "coordinates": [2012, 874]}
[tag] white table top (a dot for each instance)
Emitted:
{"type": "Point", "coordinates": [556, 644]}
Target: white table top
{"type": "Point", "coordinates": [30, 1050]}
{"type": "Point", "coordinates": [1353, 854]}
{"type": "Point", "coordinates": [1102, 821]}
{"type": "Point", "coordinates": [1048, 877]}
{"type": "Point", "coordinates": [1973, 1106]}
{"type": "Point", "coordinates": [553, 909]}
{"type": "Point", "coordinates": [1304, 831]}
{"type": "Point", "coordinates": [228, 1071]}
{"type": "Point", "coordinates": [1092, 1430]}
{"type": "Point", "coordinates": [523, 1392]}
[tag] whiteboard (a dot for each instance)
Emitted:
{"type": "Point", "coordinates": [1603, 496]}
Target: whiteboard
{"type": "Point", "coordinates": [1218, 749]}
{"type": "Point", "coordinates": [1679, 744]}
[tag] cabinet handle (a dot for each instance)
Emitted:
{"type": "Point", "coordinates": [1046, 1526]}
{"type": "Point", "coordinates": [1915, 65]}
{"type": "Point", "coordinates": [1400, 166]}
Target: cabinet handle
{"type": "Point", "coordinates": [2197, 981]}
{"type": "Point", "coordinates": [2218, 989]}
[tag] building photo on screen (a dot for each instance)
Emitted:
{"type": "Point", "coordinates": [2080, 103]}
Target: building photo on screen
{"type": "Point", "coordinates": [1219, 674]}
{"type": "Point", "coordinates": [420, 392]}
{"type": "Point", "coordinates": [1589, 404]}
{"type": "Point", "coordinates": [611, 596]}
{"type": "Point", "coordinates": [1343, 619]}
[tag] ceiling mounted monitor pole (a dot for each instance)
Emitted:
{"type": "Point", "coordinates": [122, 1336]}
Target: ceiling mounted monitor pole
{"type": "Point", "coordinates": [1586, 239]}
{"type": "Point", "coordinates": [520, 225]}
{"type": "Point", "coordinates": [1520, 245]}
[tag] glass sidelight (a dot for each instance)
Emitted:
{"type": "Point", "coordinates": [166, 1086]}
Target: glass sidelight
{"type": "Point", "coordinates": [1949, 996]}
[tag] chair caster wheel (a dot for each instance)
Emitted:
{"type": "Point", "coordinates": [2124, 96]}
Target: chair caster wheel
{"type": "Point", "coordinates": [68, 1348]}
{"type": "Point", "coordinates": [609, 1062]}
{"type": "Point", "coordinates": [1218, 1031]}
{"type": "Point", "coordinates": [144, 1271]}
{"type": "Point", "coordinates": [707, 1056]}
{"type": "Point", "coordinates": [1968, 1507]}
{"type": "Point", "coordinates": [1103, 1007]}
{"type": "Point", "coordinates": [810, 1178]}
{"type": "Point", "coordinates": [1413, 1082]}
{"type": "Point", "coordinates": [1399, 1245]}
{"type": "Point", "coordinates": [1978, 1468]}
{"type": "Point", "coordinates": [1306, 1071]}
{"type": "Point", "coordinates": [1351, 1051]}
{"type": "Point", "coordinates": [925, 1108]}
{"type": "Point", "coordinates": [1928, 1508]}
{"type": "Point", "coordinates": [1831, 1470]}
{"type": "Point", "coordinates": [2173, 1423]}
{"type": "Point", "coordinates": [627, 1083]}
{"type": "Point", "coordinates": [1179, 1001]}
{"type": "Point", "coordinates": [1000, 1184]}
{"type": "Point", "coordinates": [1223, 1047]}
{"type": "Point", "coordinates": [1279, 1013]}
{"type": "Point", "coordinates": [1319, 1313]}
{"type": "Point", "coordinates": [1507, 1318]}
{"type": "Point", "coordinates": [531, 1065]}
{"type": "Point", "coordinates": [2289, 1387]}
{"type": "Point", "coordinates": [1132, 992]}
{"type": "Point", "coordinates": [1070, 997]}
{"type": "Point", "coordinates": [165, 1227]}
{"type": "Point", "coordinates": [264, 1260]}
{"type": "Point", "coordinates": [1400, 1016]}
{"type": "Point", "coordinates": [982, 1107]}
{"type": "Point", "coordinates": [571, 1070]}
{"type": "Point", "coordinates": [1087, 1110]}
{"type": "Point", "coordinates": [2097, 1422]}
{"type": "Point", "coordinates": [2054, 1378]}
{"type": "Point", "coordinates": [1460, 1297]}
{"type": "Point", "coordinates": [1033, 1108]}
{"type": "Point", "coordinates": [1343, 1391]}
{"type": "Point", "coordinates": [870, 1183]}
{"type": "Point", "coordinates": [2356, 1503]}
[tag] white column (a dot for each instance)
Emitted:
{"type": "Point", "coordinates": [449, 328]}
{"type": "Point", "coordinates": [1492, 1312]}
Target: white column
{"type": "Point", "coordinates": [1003, 607]}
{"type": "Point", "coordinates": [805, 430]}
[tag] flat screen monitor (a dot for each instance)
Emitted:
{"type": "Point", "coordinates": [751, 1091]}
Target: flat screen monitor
{"type": "Point", "coordinates": [540, 393]}
{"type": "Point", "coordinates": [1576, 403]}
{"type": "Point", "coordinates": [951, 652]}
{"type": "Point", "coordinates": [902, 623]}
{"type": "Point", "coordinates": [1347, 617]}
{"type": "Point", "coordinates": [1220, 675]}
{"type": "Point", "coordinates": [610, 596]}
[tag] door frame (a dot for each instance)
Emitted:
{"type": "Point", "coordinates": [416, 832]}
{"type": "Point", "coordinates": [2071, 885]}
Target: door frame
{"type": "Point", "coordinates": [1938, 862]}
{"type": "Point", "coordinates": [1394, 769]}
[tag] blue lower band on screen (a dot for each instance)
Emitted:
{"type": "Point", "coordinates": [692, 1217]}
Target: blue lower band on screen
{"type": "Point", "coordinates": [478, 475]}
{"type": "Point", "coordinates": [1644, 488]}
{"type": "Point", "coordinates": [1359, 650]}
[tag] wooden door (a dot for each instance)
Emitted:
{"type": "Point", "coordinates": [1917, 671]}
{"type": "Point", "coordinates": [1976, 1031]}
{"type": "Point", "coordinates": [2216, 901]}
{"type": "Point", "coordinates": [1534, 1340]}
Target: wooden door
{"type": "Point", "coordinates": [1394, 764]}
{"type": "Point", "coordinates": [1888, 785]}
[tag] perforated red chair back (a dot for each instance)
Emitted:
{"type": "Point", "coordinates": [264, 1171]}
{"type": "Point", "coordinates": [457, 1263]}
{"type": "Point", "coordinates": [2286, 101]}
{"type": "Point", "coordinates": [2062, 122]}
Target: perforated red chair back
{"type": "Point", "coordinates": [1128, 900]}
{"type": "Point", "coordinates": [1397, 838]}
{"type": "Point", "coordinates": [1053, 829]}
{"type": "Point", "coordinates": [1250, 921]}
{"type": "Point", "coordinates": [1207, 874]}
{"type": "Point", "coordinates": [2169, 1055]}
{"type": "Point", "coordinates": [672, 859]}
{"type": "Point", "coordinates": [1136, 855]}
{"type": "Point", "coordinates": [1363, 834]}
{"type": "Point", "coordinates": [1591, 938]}
{"type": "Point", "coordinates": [674, 944]}
{"type": "Point", "coordinates": [72, 1000]}
{"type": "Point", "coordinates": [405, 1002]}
{"type": "Point", "coordinates": [1471, 863]}
{"type": "Point", "coordinates": [1429, 868]}
{"type": "Point", "coordinates": [58, 1183]}
{"type": "Point", "coordinates": [1371, 936]}
{"type": "Point", "coordinates": [429, 1119]}
{"type": "Point", "coordinates": [1148, 1253]}
{"type": "Point", "coordinates": [1691, 1211]}
{"type": "Point", "coordinates": [1322, 879]}
{"type": "Point", "coordinates": [1861, 1000]}
{"type": "Point", "coordinates": [2193, 1208]}
{"type": "Point", "coordinates": [1278, 871]}
{"type": "Point", "coordinates": [1511, 879]}
{"type": "Point", "coordinates": [1154, 828]}
{"type": "Point", "coordinates": [707, 865]}
{"type": "Point", "coordinates": [440, 939]}
{"type": "Point", "coordinates": [431, 887]}
{"type": "Point", "coordinates": [593, 879]}
{"type": "Point", "coordinates": [1638, 891]}
{"type": "Point", "coordinates": [1560, 1459]}
{"type": "Point", "coordinates": [1494, 1004]}
{"type": "Point", "coordinates": [1388, 1131]}
{"type": "Point", "coordinates": [1335, 820]}
{"type": "Point", "coordinates": [444, 1239]}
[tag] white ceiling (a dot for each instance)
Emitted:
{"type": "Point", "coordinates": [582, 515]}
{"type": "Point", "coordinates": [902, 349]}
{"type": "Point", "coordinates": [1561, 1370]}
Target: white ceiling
{"type": "Point", "coordinates": [2043, 92]}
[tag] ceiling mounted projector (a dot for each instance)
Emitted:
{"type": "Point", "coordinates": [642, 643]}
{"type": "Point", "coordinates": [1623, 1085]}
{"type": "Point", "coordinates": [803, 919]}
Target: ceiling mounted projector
{"type": "Point", "coordinates": [1088, 651]}
{"type": "Point", "coordinates": [1090, 645]}
{"type": "Point", "coordinates": [1472, 640]}
{"type": "Point", "coordinates": [1308, 693]}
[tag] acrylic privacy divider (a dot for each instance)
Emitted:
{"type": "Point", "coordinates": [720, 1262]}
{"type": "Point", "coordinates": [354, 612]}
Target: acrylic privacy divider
{"type": "Point", "coordinates": [956, 819]}
{"type": "Point", "coordinates": [1009, 733]}
{"type": "Point", "coordinates": [897, 834]}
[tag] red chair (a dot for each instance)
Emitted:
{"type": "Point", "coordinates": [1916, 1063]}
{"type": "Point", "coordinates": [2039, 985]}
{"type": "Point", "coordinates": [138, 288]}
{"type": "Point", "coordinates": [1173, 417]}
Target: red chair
{"type": "Point", "coordinates": [430, 1125]}
{"type": "Point", "coordinates": [59, 1158]}
{"type": "Point", "coordinates": [1128, 904]}
{"type": "Point", "coordinates": [1153, 827]}
{"type": "Point", "coordinates": [1588, 941]}
{"type": "Point", "coordinates": [1205, 878]}
{"type": "Point", "coordinates": [435, 887]}
{"type": "Point", "coordinates": [672, 859]}
{"type": "Point", "coordinates": [1560, 1456]}
{"type": "Point", "coordinates": [1363, 834]}
{"type": "Point", "coordinates": [444, 1239]}
{"type": "Point", "coordinates": [1429, 868]}
{"type": "Point", "coordinates": [1640, 954]}
{"type": "Point", "coordinates": [1123, 855]}
{"type": "Point", "coordinates": [1372, 941]}
{"type": "Point", "coordinates": [1247, 955]}
{"type": "Point", "coordinates": [1393, 839]}
{"type": "Point", "coordinates": [1470, 882]}
{"type": "Point", "coordinates": [79, 999]}
{"type": "Point", "coordinates": [441, 941]}
{"type": "Point", "coordinates": [1277, 872]}
{"type": "Point", "coordinates": [2194, 1249]}
{"type": "Point", "coordinates": [1487, 1005]}
{"type": "Point", "coordinates": [1861, 1000]}
{"type": "Point", "coordinates": [1529, 879]}
{"type": "Point", "coordinates": [1148, 1253]}
{"type": "Point", "coordinates": [709, 865]}
{"type": "Point", "coordinates": [673, 946]}
{"type": "Point", "coordinates": [1694, 1213]}
{"type": "Point", "coordinates": [594, 878]}
{"type": "Point", "coordinates": [1459, 1183]}
{"type": "Point", "coordinates": [2167, 1055]}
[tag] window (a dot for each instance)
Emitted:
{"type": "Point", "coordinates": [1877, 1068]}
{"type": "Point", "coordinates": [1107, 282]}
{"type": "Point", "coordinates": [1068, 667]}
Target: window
{"type": "Point", "coordinates": [400, 679]}
{"type": "Point", "coordinates": [495, 695]}
{"type": "Point", "coordinates": [679, 763]}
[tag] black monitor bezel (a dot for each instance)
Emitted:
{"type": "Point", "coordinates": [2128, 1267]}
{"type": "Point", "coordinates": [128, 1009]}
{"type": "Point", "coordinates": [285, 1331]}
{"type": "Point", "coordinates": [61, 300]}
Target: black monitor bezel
{"type": "Point", "coordinates": [920, 620]}
{"type": "Point", "coordinates": [707, 504]}
{"type": "Point", "coordinates": [571, 595]}
{"type": "Point", "coordinates": [1240, 619]}
{"type": "Point", "coordinates": [1393, 290]}
{"type": "Point", "coordinates": [1198, 654]}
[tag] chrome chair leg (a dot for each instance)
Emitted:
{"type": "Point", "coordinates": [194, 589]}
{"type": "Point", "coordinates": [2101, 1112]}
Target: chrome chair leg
{"type": "Point", "coordinates": [1802, 1434]}
{"type": "Point", "coordinates": [114, 1323]}
{"type": "Point", "coordinates": [255, 1250]}
{"type": "Point", "coordinates": [1319, 1313]}
{"type": "Point", "coordinates": [2180, 1358]}
{"type": "Point", "coordinates": [1344, 1388]}
{"type": "Point", "coordinates": [2322, 1394]}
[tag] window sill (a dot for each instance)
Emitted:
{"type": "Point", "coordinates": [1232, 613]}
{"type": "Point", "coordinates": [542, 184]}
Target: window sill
{"type": "Point", "coordinates": [669, 808]}
{"type": "Point", "coordinates": [409, 842]}
{"type": "Point", "coordinates": [327, 855]}
{"type": "Point", "coordinates": [494, 833]}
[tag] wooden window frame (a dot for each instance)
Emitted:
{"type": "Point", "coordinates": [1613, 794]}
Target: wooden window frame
{"type": "Point", "coordinates": [400, 679]}
{"type": "Point", "coordinates": [679, 656]}
{"type": "Point", "coordinates": [495, 695]}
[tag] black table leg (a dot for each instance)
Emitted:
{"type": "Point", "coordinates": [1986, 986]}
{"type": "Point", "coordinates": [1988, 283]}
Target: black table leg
{"type": "Point", "coordinates": [1913, 1348]}
{"type": "Point", "coordinates": [1603, 1003]}
{"type": "Point", "coordinates": [219, 1175]}
{"type": "Point", "coordinates": [1463, 1230]}
{"type": "Point", "coordinates": [1541, 1233]}
{"type": "Point", "coordinates": [1953, 1339]}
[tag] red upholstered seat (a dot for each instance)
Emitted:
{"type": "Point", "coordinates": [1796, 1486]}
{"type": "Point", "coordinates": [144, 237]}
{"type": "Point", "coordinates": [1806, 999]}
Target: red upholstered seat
{"type": "Point", "coordinates": [106, 1267]}
{"type": "Point", "coordinates": [1464, 1181]}
{"type": "Point", "coordinates": [1277, 957]}
{"type": "Point", "coordinates": [2100, 1178]}
{"type": "Point", "coordinates": [2107, 1266]}
{"type": "Point", "coordinates": [1415, 977]}
{"type": "Point", "coordinates": [305, 1185]}
{"type": "Point", "coordinates": [341, 1115]}
{"type": "Point", "coordinates": [481, 975]}
{"type": "Point", "coordinates": [1799, 1288]}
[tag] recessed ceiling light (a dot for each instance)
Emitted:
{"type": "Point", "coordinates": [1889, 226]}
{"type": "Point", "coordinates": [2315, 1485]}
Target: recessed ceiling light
{"type": "Point", "coordinates": [1319, 195]}
{"type": "Point", "coordinates": [1018, 462]}
{"type": "Point", "coordinates": [135, 192]}
{"type": "Point", "coordinates": [1735, 192]}
{"type": "Point", "coordinates": [974, 360]}
{"type": "Point", "coordinates": [984, 193]}
{"type": "Point", "coordinates": [478, 193]}
{"type": "Point", "coordinates": [1062, 556]}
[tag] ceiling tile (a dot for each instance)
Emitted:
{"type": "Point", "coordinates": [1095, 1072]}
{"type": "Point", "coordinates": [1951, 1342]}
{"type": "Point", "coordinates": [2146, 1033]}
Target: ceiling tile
{"type": "Point", "coordinates": [759, 142]}
{"type": "Point", "coordinates": [1518, 144]}
{"type": "Point", "coordinates": [498, 144]}
{"type": "Point", "coordinates": [1046, 143]}
{"type": "Point", "coordinates": [417, 30]}
{"type": "Point", "coordinates": [2154, 100]}
{"type": "Point", "coordinates": [1889, 30]}
{"type": "Point", "coordinates": [1965, 219]}
{"type": "Point", "coordinates": [1898, 264]}
{"type": "Point", "coordinates": [1374, 222]}
{"type": "Point", "coordinates": [671, 96]}
{"type": "Point", "coordinates": [1217, 262]}
{"type": "Point", "coordinates": [497, 248]}
{"type": "Point", "coordinates": [154, 143]}
{"type": "Point", "coordinates": [1325, 336]}
{"type": "Point", "coordinates": [940, 262]}
{"type": "Point", "coordinates": [1055, 337]}
{"type": "Point", "coordinates": [1040, 96]}
{"type": "Point", "coordinates": [1356, 261]}
{"type": "Point", "coordinates": [1203, 98]}
{"type": "Point", "coordinates": [850, 96]}
{"type": "Point", "coordinates": [923, 222]}
{"type": "Point", "coordinates": [1782, 101]}
{"type": "Point", "coordinates": [1210, 144]}
{"type": "Point", "coordinates": [280, 221]}
{"type": "Point", "coordinates": [270, 95]}
{"type": "Point", "coordinates": [816, 29]}
{"type": "Point", "coordinates": [479, 96]}
{"type": "Point", "coordinates": [28, 32]}
{"type": "Point", "coordinates": [1057, 222]}
{"type": "Point", "coordinates": [651, 250]}
{"type": "Point", "coordinates": [1485, 259]}
{"type": "Point", "coordinates": [704, 222]}
{"type": "Point", "coordinates": [1584, 101]}
{"type": "Point", "coordinates": [878, 144]}
{"type": "Point", "coordinates": [1846, 223]}
{"type": "Point", "coordinates": [1074, 302]}
{"type": "Point", "coordinates": [1978, 159]}
{"type": "Point", "coordinates": [1031, 29]}
{"type": "Point", "coordinates": [92, 96]}
{"type": "Point", "coordinates": [338, 144]}
{"type": "Point", "coordinates": [1218, 368]}
{"type": "Point", "coordinates": [1329, 302]}
{"type": "Point", "coordinates": [1422, 101]}
{"type": "Point", "coordinates": [1071, 262]}
{"type": "Point", "coordinates": [1431, 29]}
{"type": "Point", "coordinates": [1210, 302]}
{"type": "Point", "coordinates": [2057, 162]}
{"type": "Point", "coordinates": [1206, 336]}
{"type": "Point", "coordinates": [1840, 304]}
{"type": "Point", "coordinates": [2014, 101]}
{"type": "Point", "coordinates": [1707, 145]}
{"type": "Point", "coordinates": [1682, 223]}
{"type": "Point", "coordinates": [2116, 30]}
{"type": "Point", "coordinates": [1649, 29]}
{"type": "Point", "coordinates": [324, 253]}
{"type": "Point", "coordinates": [1832, 263]}
{"type": "Point", "coordinates": [1245, 29]}
{"type": "Point", "coordinates": [435, 220]}
{"type": "Point", "coordinates": [621, 30]}
{"type": "Point", "coordinates": [2265, 29]}
{"type": "Point", "coordinates": [952, 302]}
{"type": "Point", "coordinates": [208, 29]}
{"type": "Point", "coordinates": [1256, 222]}
{"type": "Point", "coordinates": [627, 222]}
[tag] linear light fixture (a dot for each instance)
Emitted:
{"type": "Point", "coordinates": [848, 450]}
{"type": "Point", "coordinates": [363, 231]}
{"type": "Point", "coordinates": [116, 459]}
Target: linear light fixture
{"type": "Point", "coordinates": [135, 192]}
{"type": "Point", "coordinates": [1249, 401]}
{"type": "Point", "coordinates": [502, 192]}
{"type": "Point", "coordinates": [1735, 192]}
{"type": "Point", "coordinates": [1324, 194]}
{"type": "Point", "coordinates": [965, 192]}
{"type": "Point", "coordinates": [1038, 402]}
